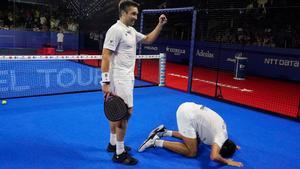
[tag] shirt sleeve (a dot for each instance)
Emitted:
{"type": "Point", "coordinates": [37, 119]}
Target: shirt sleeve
{"type": "Point", "coordinates": [139, 36]}
{"type": "Point", "coordinates": [220, 140]}
{"type": "Point", "coordinates": [112, 39]}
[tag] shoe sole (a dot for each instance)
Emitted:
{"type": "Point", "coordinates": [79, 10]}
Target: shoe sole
{"type": "Point", "coordinates": [139, 150]}
{"type": "Point", "coordinates": [156, 130]}
{"type": "Point", "coordinates": [151, 135]}
{"type": "Point", "coordinates": [132, 162]}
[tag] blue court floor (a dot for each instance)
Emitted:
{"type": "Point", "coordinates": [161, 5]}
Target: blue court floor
{"type": "Point", "coordinates": [70, 132]}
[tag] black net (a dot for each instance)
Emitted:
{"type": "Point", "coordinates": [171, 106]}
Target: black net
{"type": "Point", "coordinates": [248, 53]}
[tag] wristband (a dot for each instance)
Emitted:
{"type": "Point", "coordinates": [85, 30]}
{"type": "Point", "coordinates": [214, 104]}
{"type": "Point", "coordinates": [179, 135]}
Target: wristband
{"type": "Point", "coordinates": [105, 77]}
{"type": "Point", "coordinates": [104, 83]}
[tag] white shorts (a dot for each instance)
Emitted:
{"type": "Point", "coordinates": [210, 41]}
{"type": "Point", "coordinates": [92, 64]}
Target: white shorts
{"type": "Point", "coordinates": [124, 89]}
{"type": "Point", "coordinates": [184, 124]}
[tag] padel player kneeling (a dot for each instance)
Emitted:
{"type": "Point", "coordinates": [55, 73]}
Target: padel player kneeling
{"type": "Point", "coordinates": [196, 123]}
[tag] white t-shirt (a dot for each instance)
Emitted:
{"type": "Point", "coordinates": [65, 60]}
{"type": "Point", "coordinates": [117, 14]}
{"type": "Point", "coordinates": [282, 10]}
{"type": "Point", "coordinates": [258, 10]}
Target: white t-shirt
{"type": "Point", "coordinates": [197, 120]}
{"type": "Point", "coordinates": [43, 20]}
{"type": "Point", "coordinates": [60, 37]}
{"type": "Point", "coordinates": [122, 40]}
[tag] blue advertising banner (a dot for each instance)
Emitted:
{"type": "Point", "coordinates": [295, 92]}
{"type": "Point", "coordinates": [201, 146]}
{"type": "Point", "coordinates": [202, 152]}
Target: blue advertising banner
{"type": "Point", "coordinates": [29, 39]}
{"type": "Point", "coordinates": [27, 78]}
{"type": "Point", "coordinates": [262, 61]}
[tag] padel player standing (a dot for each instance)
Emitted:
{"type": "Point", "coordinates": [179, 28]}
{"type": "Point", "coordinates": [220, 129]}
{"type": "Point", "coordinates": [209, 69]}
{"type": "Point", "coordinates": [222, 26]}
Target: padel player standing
{"type": "Point", "coordinates": [118, 62]}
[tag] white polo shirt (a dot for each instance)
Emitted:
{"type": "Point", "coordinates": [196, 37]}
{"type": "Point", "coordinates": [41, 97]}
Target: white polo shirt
{"type": "Point", "coordinates": [60, 37]}
{"type": "Point", "coordinates": [122, 40]}
{"type": "Point", "coordinates": [196, 120]}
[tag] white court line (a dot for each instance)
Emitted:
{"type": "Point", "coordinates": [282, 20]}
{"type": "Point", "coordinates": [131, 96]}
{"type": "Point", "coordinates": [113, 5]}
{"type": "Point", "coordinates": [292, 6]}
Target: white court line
{"type": "Point", "coordinates": [213, 83]}
{"type": "Point", "coordinates": [66, 57]}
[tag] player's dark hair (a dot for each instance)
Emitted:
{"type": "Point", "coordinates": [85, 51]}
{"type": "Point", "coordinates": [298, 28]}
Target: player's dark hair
{"type": "Point", "coordinates": [228, 149]}
{"type": "Point", "coordinates": [125, 4]}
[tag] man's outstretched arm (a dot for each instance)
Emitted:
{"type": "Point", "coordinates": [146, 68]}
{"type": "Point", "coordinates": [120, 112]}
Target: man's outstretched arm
{"type": "Point", "coordinates": [151, 37]}
{"type": "Point", "coordinates": [215, 156]}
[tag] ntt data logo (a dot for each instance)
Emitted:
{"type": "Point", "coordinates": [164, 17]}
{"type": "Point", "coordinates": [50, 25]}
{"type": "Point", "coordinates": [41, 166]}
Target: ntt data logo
{"type": "Point", "coordinates": [282, 62]}
{"type": "Point", "coordinates": [175, 51]}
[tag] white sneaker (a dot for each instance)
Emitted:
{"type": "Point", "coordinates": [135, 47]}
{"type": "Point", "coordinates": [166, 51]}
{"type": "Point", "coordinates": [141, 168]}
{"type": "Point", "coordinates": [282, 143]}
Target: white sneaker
{"type": "Point", "coordinates": [159, 131]}
{"type": "Point", "coordinates": [149, 142]}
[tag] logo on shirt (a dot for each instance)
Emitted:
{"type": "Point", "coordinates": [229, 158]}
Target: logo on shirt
{"type": "Point", "coordinates": [111, 41]}
{"type": "Point", "coordinates": [127, 32]}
